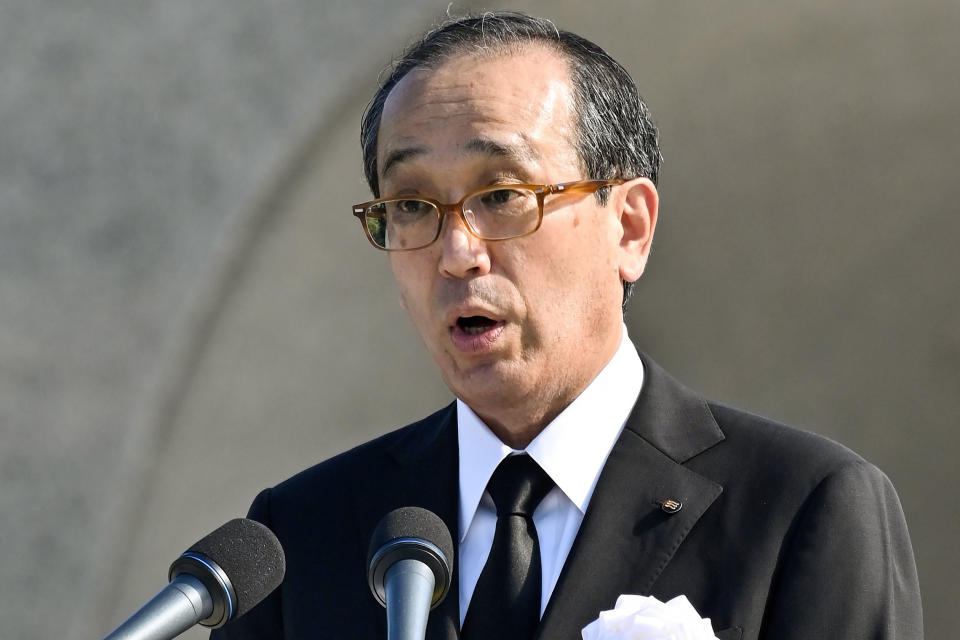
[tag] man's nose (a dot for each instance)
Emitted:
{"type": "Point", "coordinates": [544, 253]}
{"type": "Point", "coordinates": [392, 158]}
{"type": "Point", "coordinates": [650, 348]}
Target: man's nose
{"type": "Point", "coordinates": [462, 253]}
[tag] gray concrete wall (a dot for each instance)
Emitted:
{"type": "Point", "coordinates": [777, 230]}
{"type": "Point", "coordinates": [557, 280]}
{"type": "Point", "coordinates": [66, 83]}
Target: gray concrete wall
{"type": "Point", "coordinates": [134, 139]}
{"type": "Point", "coordinates": [188, 313]}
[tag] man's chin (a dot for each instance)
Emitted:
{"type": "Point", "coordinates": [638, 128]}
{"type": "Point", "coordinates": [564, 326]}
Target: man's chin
{"type": "Point", "coordinates": [485, 384]}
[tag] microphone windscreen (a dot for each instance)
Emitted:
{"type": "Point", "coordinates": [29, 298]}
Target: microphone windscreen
{"type": "Point", "coordinates": [412, 522]}
{"type": "Point", "coordinates": [250, 555]}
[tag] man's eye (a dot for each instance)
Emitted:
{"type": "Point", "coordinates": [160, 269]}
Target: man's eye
{"type": "Point", "coordinates": [411, 207]}
{"type": "Point", "coordinates": [500, 197]}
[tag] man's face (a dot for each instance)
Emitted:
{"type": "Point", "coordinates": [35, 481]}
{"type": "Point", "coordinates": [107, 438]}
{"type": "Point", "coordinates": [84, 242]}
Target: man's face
{"type": "Point", "coordinates": [518, 327]}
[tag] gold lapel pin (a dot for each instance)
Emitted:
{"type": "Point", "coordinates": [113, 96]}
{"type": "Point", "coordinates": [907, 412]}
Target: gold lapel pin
{"type": "Point", "coordinates": [670, 505]}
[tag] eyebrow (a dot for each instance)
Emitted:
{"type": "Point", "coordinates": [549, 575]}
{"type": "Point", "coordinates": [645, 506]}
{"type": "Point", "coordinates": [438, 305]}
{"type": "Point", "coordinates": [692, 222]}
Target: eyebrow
{"type": "Point", "coordinates": [400, 155]}
{"type": "Point", "coordinates": [516, 152]}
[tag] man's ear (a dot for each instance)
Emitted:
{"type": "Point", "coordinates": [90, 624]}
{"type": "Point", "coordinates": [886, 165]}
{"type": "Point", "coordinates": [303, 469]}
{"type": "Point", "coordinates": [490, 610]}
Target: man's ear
{"type": "Point", "coordinates": [638, 201]}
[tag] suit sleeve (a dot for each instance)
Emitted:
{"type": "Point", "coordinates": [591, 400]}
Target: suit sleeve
{"type": "Point", "coordinates": [264, 621]}
{"type": "Point", "coordinates": [847, 570]}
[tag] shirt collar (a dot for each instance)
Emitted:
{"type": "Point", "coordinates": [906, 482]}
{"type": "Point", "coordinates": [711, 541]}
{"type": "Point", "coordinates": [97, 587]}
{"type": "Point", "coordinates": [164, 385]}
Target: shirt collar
{"type": "Point", "coordinates": [572, 449]}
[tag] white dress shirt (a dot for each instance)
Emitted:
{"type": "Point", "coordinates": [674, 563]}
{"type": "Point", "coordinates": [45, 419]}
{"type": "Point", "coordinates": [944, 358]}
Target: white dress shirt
{"type": "Point", "coordinates": [572, 450]}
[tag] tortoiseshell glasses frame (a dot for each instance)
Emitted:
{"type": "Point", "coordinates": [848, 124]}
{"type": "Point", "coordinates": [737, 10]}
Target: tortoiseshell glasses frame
{"type": "Point", "coordinates": [497, 212]}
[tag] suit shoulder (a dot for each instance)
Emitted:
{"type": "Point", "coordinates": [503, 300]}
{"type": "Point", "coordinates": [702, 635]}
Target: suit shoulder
{"type": "Point", "coordinates": [779, 449]}
{"type": "Point", "coordinates": [777, 477]}
{"type": "Point", "coordinates": [370, 458]}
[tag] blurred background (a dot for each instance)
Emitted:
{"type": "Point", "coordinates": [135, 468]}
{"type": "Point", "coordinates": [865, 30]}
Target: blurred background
{"type": "Point", "coordinates": [189, 313]}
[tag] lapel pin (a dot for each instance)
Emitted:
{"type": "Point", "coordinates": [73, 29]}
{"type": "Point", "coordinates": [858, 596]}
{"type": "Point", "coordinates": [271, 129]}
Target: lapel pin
{"type": "Point", "coordinates": [670, 506]}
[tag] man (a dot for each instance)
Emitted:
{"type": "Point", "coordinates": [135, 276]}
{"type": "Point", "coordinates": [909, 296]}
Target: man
{"type": "Point", "coordinates": [549, 155]}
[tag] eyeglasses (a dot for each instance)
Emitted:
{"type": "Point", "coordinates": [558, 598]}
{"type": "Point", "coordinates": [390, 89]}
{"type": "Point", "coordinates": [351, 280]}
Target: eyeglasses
{"type": "Point", "coordinates": [499, 212]}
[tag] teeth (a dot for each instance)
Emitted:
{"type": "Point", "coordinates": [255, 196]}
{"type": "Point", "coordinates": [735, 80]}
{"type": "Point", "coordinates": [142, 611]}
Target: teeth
{"type": "Point", "coordinates": [475, 325]}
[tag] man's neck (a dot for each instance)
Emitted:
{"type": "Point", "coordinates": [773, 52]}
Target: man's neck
{"type": "Point", "coordinates": [517, 426]}
{"type": "Point", "coordinates": [518, 437]}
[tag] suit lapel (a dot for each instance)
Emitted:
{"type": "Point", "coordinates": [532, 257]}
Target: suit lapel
{"type": "Point", "coordinates": [627, 537]}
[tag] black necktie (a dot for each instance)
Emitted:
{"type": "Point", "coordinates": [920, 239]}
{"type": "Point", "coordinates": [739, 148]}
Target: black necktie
{"type": "Point", "coordinates": [506, 601]}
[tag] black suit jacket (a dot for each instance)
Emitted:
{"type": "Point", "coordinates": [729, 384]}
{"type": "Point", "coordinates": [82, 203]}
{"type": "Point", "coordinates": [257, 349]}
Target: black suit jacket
{"type": "Point", "coordinates": [781, 534]}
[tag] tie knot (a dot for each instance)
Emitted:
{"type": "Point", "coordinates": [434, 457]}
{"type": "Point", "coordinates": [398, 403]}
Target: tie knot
{"type": "Point", "coordinates": [518, 485]}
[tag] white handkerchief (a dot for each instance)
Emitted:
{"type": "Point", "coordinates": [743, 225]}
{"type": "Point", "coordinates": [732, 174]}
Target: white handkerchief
{"type": "Point", "coordinates": [646, 618]}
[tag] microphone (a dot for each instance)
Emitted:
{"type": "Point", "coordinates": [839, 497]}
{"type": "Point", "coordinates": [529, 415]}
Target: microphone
{"type": "Point", "coordinates": [218, 579]}
{"type": "Point", "coordinates": [409, 567]}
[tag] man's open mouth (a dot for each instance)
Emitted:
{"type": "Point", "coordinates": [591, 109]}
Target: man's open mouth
{"type": "Point", "coordinates": [475, 325]}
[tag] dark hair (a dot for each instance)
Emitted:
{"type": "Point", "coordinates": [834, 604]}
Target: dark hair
{"type": "Point", "coordinates": [615, 136]}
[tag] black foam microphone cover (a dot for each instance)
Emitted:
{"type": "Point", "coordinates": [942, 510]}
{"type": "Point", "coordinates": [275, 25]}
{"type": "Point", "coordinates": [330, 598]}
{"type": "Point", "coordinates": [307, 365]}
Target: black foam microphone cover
{"type": "Point", "coordinates": [401, 535]}
{"type": "Point", "coordinates": [243, 558]}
